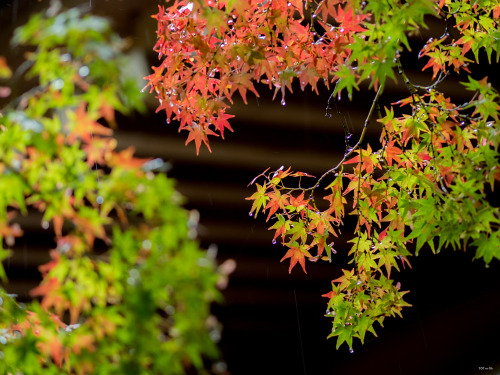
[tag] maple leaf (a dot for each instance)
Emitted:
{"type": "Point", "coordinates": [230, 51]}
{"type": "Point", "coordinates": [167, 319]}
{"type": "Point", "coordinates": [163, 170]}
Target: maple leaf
{"type": "Point", "coordinates": [58, 221]}
{"type": "Point", "coordinates": [58, 352]}
{"type": "Point", "coordinates": [107, 111]}
{"type": "Point", "coordinates": [47, 286]}
{"type": "Point", "coordinates": [85, 128]}
{"type": "Point", "coordinates": [392, 152]}
{"type": "Point", "coordinates": [198, 134]}
{"type": "Point", "coordinates": [496, 12]}
{"type": "Point", "coordinates": [299, 201]}
{"type": "Point", "coordinates": [368, 159]}
{"type": "Point", "coordinates": [347, 22]}
{"type": "Point", "coordinates": [259, 198]}
{"type": "Point", "coordinates": [436, 61]}
{"type": "Point", "coordinates": [345, 279]}
{"type": "Point", "coordinates": [98, 149]}
{"type": "Point", "coordinates": [296, 254]}
{"type": "Point", "coordinates": [221, 123]}
{"type": "Point", "coordinates": [45, 268]}
{"type": "Point", "coordinates": [337, 202]}
{"type": "Point", "coordinates": [243, 83]}
{"type": "Point", "coordinates": [277, 200]}
{"type": "Point", "coordinates": [86, 341]}
{"type": "Point", "coordinates": [281, 227]}
{"type": "Point", "coordinates": [330, 294]}
{"type": "Point", "coordinates": [5, 71]}
{"type": "Point", "coordinates": [125, 159]}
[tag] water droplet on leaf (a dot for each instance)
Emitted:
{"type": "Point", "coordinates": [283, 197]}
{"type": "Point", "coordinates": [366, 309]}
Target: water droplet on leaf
{"type": "Point", "coordinates": [146, 244]}
{"type": "Point", "coordinates": [84, 71]}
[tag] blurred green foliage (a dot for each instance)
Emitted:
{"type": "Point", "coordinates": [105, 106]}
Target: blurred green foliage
{"type": "Point", "coordinates": [142, 306]}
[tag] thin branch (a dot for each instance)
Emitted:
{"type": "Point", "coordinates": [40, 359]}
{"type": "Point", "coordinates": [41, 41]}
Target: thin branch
{"type": "Point", "coordinates": [351, 150]}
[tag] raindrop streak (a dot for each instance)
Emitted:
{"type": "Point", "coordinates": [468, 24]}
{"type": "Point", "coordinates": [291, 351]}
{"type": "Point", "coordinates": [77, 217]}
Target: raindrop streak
{"type": "Point", "coordinates": [300, 334]}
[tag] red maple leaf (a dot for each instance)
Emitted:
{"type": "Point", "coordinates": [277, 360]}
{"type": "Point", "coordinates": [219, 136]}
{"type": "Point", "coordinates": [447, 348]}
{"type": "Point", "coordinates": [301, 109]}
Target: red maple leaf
{"type": "Point", "coordinates": [348, 21]}
{"type": "Point", "coordinates": [197, 134]}
{"type": "Point", "coordinates": [222, 123]}
{"type": "Point", "coordinates": [296, 254]}
{"type": "Point", "coordinates": [330, 294]}
{"type": "Point", "coordinates": [392, 152]}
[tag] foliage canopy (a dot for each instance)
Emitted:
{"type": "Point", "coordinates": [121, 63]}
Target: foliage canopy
{"type": "Point", "coordinates": [427, 184]}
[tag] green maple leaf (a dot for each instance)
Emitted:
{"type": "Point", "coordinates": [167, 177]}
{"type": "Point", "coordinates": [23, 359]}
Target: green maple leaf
{"type": "Point", "coordinates": [347, 80]}
{"type": "Point", "coordinates": [488, 247]}
{"type": "Point", "coordinates": [260, 199]}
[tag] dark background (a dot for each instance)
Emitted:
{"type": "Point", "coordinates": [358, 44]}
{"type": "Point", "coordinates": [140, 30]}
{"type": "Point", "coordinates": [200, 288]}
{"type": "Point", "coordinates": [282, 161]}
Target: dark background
{"type": "Point", "coordinates": [273, 321]}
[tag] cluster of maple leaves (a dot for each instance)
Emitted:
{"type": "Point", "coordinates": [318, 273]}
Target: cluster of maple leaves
{"type": "Point", "coordinates": [211, 49]}
{"type": "Point", "coordinates": [427, 181]}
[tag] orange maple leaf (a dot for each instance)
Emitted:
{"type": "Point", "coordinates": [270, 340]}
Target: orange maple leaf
{"type": "Point", "coordinates": [296, 254]}
{"type": "Point", "coordinates": [197, 134]}
{"type": "Point", "coordinates": [276, 201]}
{"type": "Point", "coordinates": [58, 352]}
{"type": "Point", "coordinates": [46, 287]}
{"type": "Point", "coordinates": [330, 294]}
{"type": "Point", "coordinates": [496, 11]}
{"type": "Point", "coordinates": [280, 230]}
{"type": "Point", "coordinates": [45, 268]}
{"type": "Point", "coordinates": [299, 201]}
{"type": "Point", "coordinates": [367, 163]}
{"type": "Point", "coordinates": [107, 111]}
{"type": "Point", "coordinates": [392, 152]}
{"type": "Point", "coordinates": [126, 159]}
{"type": "Point", "coordinates": [85, 128]}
